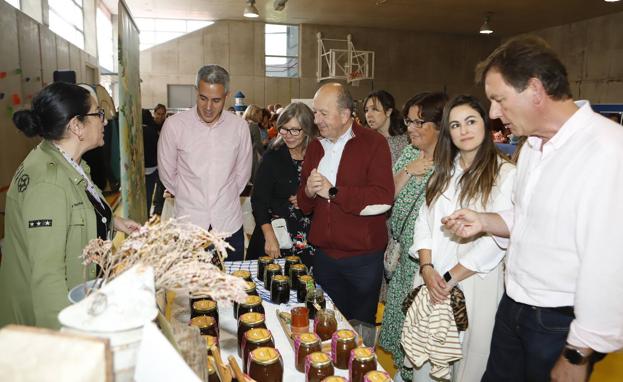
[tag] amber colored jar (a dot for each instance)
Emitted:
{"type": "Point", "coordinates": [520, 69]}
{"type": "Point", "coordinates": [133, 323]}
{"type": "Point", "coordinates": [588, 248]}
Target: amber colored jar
{"type": "Point", "coordinates": [325, 324]}
{"type": "Point", "coordinates": [377, 376]}
{"type": "Point", "coordinates": [315, 301]}
{"type": "Point", "coordinates": [253, 339]}
{"type": "Point", "coordinates": [250, 290]}
{"type": "Point", "coordinates": [210, 341]}
{"type": "Point", "coordinates": [335, 378]}
{"type": "Point", "coordinates": [362, 360]}
{"type": "Point", "coordinates": [318, 367]}
{"type": "Point", "coordinates": [279, 290]}
{"type": "Point", "coordinates": [342, 342]}
{"type": "Point", "coordinates": [304, 345]}
{"type": "Point", "coordinates": [251, 304]}
{"type": "Point", "coordinates": [243, 274]}
{"type": "Point", "coordinates": [262, 262]}
{"type": "Point", "coordinates": [265, 365]}
{"type": "Point", "coordinates": [206, 324]}
{"type": "Point", "coordinates": [296, 271]}
{"type": "Point", "coordinates": [290, 261]}
{"type": "Point", "coordinates": [270, 271]}
{"type": "Point", "coordinates": [246, 322]}
{"type": "Point", "coordinates": [305, 282]}
{"type": "Point", "coordinates": [205, 308]}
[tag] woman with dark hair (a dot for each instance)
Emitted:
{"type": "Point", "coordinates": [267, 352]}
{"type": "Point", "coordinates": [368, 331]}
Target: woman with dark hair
{"type": "Point", "coordinates": [53, 208]}
{"type": "Point", "coordinates": [423, 114]}
{"type": "Point", "coordinates": [381, 115]}
{"type": "Point", "coordinates": [276, 184]}
{"type": "Point", "coordinates": [469, 173]}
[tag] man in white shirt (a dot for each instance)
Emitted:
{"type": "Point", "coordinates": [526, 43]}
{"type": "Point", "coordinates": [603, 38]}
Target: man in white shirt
{"type": "Point", "coordinates": [563, 308]}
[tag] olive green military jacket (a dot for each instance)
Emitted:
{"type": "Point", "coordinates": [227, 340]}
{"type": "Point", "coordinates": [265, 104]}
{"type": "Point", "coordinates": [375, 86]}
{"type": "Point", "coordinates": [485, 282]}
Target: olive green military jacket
{"type": "Point", "coordinates": [49, 220]}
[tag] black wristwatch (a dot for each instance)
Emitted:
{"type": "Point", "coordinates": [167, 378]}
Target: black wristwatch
{"type": "Point", "coordinates": [447, 276]}
{"type": "Point", "coordinates": [574, 356]}
{"type": "Point", "coordinates": [332, 193]}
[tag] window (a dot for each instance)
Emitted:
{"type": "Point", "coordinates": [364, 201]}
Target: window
{"type": "Point", "coordinates": [66, 20]}
{"type": "Point", "coordinates": [157, 31]}
{"type": "Point", "coordinates": [281, 50]}
{"type": "Point", "coordinates": [14, 3]}
{"type": "Point", "coordinates": [105, 45]}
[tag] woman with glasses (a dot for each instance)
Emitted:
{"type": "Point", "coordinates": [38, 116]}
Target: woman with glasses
{"type": "Point", "coordinates": [381, 115]}
{"type": "Point", "coordinates": [276, 184]}
{"type": "Point", "coordinates": [469, 173]}
{"type": "Point", "coordinates": [411, 173]}
{"type": "Point", "coordinates": [53, 208]}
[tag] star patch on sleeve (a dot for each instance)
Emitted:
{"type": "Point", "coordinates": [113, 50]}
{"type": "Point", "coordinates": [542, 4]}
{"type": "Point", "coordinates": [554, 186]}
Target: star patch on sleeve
{"type": "Point", "coordinates": [40, 223]}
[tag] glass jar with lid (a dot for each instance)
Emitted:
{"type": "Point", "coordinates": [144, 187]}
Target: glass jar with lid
{"type": "Point", "coordinates": [206, 324]}
{"type": "Point", "coordinates": [318, 367]}
{"type": "Point", "coordinates": [250, 304]}
{"type": "Point", "coordinates": [265, 365]}
{"type": "Point", "coordinates": [253, 339]}
{"type": "Point", "coordinates": [247, 322]}
{"type": "Point", "coordinates": [342, 342]}
{"type": "Point", "coordinates": [250, 290]}
{"type": "Point", "coordinates": [262, 262]}
{"type": "Point", "coordinates": [304, 345]}
{"type": "Point", "coordinates": [362, 360]}
{"type": "Point", "coordinates": [306, 282]}
{"type": "Point", "coordinates": [290, 260]}
{"type": "Point", "coordinates": [325, 324]}
{"type": "Point", "coordinates": [296, 271]}
{"type": "Point", "coordinates": [270, 271]}
{"type": "Point", "coordinates": [205, 308]}
{"type": "Point", "coordinates": [377, 376]}
{"type": "Point", "coordinates": [279, 290]}
{"type": "Point", "coordinates": [243, 274]}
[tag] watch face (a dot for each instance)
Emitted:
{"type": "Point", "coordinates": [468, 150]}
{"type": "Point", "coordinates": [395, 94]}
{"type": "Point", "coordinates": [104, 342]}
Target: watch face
{"type": "Point", "coordinates": [332, 192]}
{"type": "Point", "coordinates": [573, 356]}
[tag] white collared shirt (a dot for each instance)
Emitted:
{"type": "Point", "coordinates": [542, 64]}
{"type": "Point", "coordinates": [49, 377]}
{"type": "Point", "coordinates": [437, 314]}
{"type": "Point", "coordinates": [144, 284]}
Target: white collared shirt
{"type": "Point", "coordinates": [566, 242]}
{"type": "Point", "coordinates": [330, 162]}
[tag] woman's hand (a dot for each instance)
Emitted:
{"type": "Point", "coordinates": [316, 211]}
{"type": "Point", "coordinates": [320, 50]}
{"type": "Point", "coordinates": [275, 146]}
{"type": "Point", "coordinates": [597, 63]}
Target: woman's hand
{"type": "Point", "coordinates": [435, 284]}
{"type": "Point", "coordinates": [271, 247]}
{"type": "Point", "coordinates": [126, 226]}
{"type": "Point", "coordinates": [292, 199]}
{"type": "Point", "coordinates": [419, 167]}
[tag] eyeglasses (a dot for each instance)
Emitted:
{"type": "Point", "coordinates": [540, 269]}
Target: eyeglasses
{"type": "Point", "coordinates": [293, 132]}
{"type": "Point", "coordinates": [100, 113]}
{"type": "Point", "coordinates": [418, 122]}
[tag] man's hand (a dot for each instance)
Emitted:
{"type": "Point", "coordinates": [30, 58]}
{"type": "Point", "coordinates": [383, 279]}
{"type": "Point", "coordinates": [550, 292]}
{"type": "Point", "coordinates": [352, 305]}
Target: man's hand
{"type": "Point", "coordinates": [295, 203]}
{"type": "Point", "coordinates": [317, 184]}
{"type": "Point", "coordinates": [464, 223]}
{"type": "Point", "coordinates": [419, 167]}
{"type": "Point", "coordinates": [565, 371]}
{"type": "Point", "coordinates": [436, 285]}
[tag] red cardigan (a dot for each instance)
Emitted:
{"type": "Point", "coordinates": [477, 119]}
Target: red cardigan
{"type": "Point", "coordinates": [364, 177]}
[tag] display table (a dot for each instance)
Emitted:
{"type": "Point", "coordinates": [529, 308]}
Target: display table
{"type": "Point", "coordinates": [228, 325]}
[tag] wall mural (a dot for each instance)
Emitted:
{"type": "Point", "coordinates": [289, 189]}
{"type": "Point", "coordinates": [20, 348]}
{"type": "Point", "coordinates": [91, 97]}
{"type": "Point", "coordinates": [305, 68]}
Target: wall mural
{"type": "Point", "coordinates": [134, 202]}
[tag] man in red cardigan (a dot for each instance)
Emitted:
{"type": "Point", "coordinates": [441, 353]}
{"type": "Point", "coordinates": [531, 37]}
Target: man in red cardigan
{"type": "Point", "coordinates": [347, 184]}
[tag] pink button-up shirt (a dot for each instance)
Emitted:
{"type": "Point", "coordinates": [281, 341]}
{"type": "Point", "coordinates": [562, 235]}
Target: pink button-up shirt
{"type": "Point", "coordinates": [206, 167]}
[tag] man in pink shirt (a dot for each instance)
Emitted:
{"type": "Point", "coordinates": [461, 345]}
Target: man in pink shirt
{"type": "Point", "coordinates": [204, 159]}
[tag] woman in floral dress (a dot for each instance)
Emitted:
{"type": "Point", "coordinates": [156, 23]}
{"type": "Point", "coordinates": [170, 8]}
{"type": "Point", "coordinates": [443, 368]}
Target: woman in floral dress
{"type": "Point", "coordinates": [411, 173]}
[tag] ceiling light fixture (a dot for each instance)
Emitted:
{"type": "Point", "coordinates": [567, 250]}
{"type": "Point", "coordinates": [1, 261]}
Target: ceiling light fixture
{"type": "Point", "coordinates": [485, 28]}
{"type": "Point", "coordinates": [250, 11]}
{"type": "Point", "coordinates": [279, 5]}
{"type": "Point", "coordinates": [611, 1]}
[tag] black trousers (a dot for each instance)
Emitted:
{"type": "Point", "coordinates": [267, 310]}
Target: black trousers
{"type": "Point", "coordinates": [353, 283]}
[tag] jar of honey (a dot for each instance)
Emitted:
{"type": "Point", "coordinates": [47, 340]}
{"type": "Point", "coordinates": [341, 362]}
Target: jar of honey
{"type": "Point", "coordinates": [335, 378]}
{"type": "Point", "coordinates": [205, 308]}
{"type": "Point", "coordinates": [342, 342]}
{"type": "Point", "coordinates": [279, 290]}
{"type": "Point", "coordinates": [305, 282]}
{"type": "Point", "coordinates": [265, 365]}
{"type": "Point", "coordinates": [315, 301]}
{"type": "Point", "coordinates": [247, 322]}
{"type": "Point", "coordinates": [243, 274]}
{"type": "Point", "coordinates": [251, 304]}
{"type": "Point", "coordinates": [250, 290]}
{"type": "Point", "coordinates": [269, 271]}
{"type": "Point", "coordinates": [362, 360]}
{"type": "Point", "coordinates": [304, 345]}
{"type": "Point", "coordinates": [318, 367]}
{"type": "Point", "coordinates": [206, 324]}
{"type": "Point", "coordinates": [262, 262]}
{"type": "Point", "coordinates": [377, 376]}
{"type": "Point", "coordinates": [290, 260]}
{"type": "Point", "coordinates": [296, 271]}
{"type": "Point", "coordinates": [253, 339]}
{"type": "Point", "coordinates": [325, 324]}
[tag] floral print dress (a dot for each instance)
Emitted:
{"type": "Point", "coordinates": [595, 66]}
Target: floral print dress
{"type": "Point", "coordinates": [402, 281]}
{"type": "Point", "coordinates": [298, 227]}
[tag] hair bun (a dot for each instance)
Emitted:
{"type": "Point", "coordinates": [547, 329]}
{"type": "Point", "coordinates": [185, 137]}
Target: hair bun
{"type": "Point", "coordinates": [27, 122]}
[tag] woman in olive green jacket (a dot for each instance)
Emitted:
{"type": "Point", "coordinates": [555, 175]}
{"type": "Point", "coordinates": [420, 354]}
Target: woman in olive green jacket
{"type": "Point", "coordinates": [53, 208]}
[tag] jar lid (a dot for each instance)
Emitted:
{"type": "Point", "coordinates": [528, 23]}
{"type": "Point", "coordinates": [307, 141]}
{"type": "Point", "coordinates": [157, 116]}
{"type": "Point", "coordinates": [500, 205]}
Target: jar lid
{"type": "Point", "coordinates": [305, 278]}
{"type": "Point", "coordinates": [252, 300]}
{"type": "Point", "coordinates": [301, 267]}
{"type": "Point", "coordinates": [204, 305]}
{"type": "Point", "coordinates": [252, 318]}
{"type": "Point", "coordinates": [203, 321]}
{"type": "Point", "coordinates": [362, 353]}
{"type": "Point", "coordinates": [257, 335]}
{"type": "Point", "coordinates": [210, 340]}
{"type": "Point", "coordinates": [265, 259]}
{"type": "Point", "coordinates": [334, 378]}
{"type": "Point", "coordinates": [309, 338]}
{"type": "Point", "coordinates": [376, 376]}
{"type": "Point", "coordinates": [273, 267]}
{"type": "Point", "coordinates": [344, 335]}
{"type": "Point", "coordinates": [264, 355]}
{"type": "Point", "coordinates": [293, 259]}
{"type": "Point", "coordinates": [250, 286]}
{"type": "Point", "coordinates": [280, 279]}
{"type": "Point", "coordinates": [318, 359]}
{"type": "Point", "coordinates": [241, 273]}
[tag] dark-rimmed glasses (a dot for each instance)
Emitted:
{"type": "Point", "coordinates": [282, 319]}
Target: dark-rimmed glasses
{"type": "Point", "coordinates": [293, 132]}
{"type": "Point", "coordinates": [417, 123]}
{"type": "Point", "coordinates": [100, 113]}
